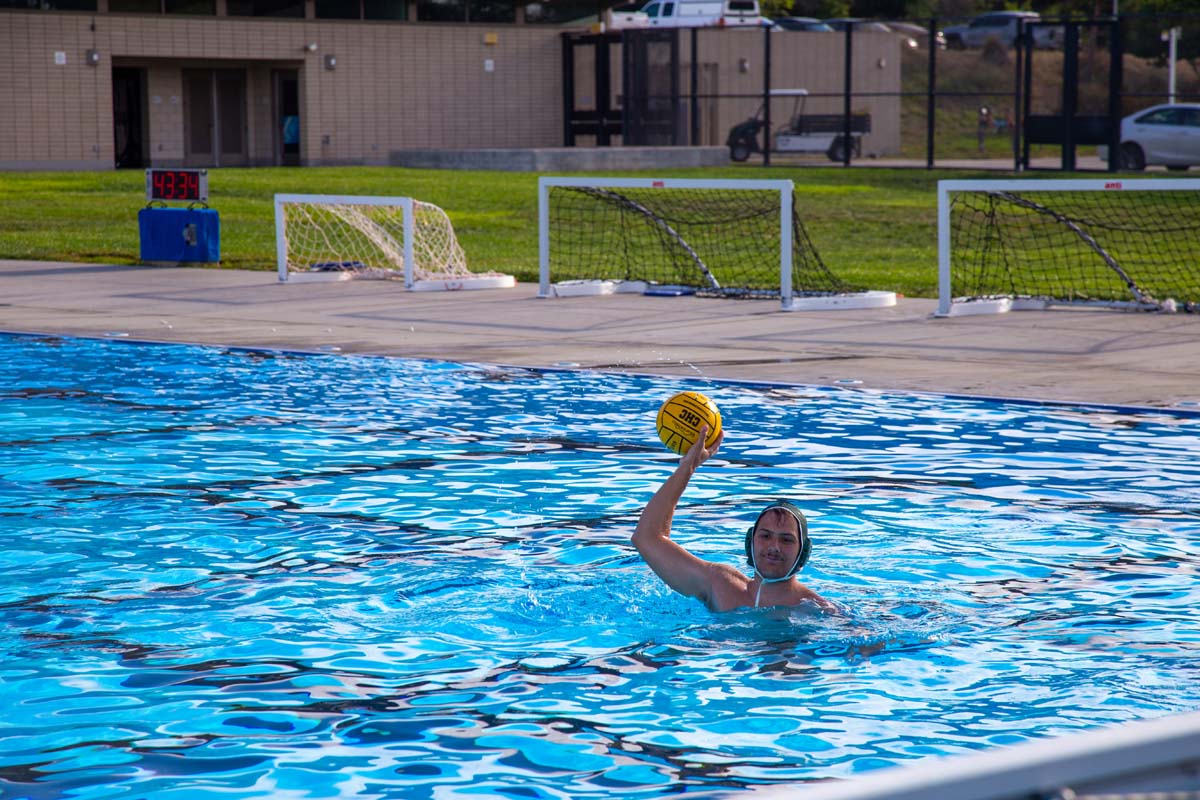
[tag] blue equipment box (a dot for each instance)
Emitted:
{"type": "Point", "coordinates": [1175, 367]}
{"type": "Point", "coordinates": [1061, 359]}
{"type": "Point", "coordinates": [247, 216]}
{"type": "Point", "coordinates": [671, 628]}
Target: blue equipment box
{"type": "Point", "coordinates": [180, 234]}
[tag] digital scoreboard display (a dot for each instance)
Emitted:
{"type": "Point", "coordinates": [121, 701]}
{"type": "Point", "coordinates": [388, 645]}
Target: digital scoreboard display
{"type": "Point", "coordinates": [184, 185]}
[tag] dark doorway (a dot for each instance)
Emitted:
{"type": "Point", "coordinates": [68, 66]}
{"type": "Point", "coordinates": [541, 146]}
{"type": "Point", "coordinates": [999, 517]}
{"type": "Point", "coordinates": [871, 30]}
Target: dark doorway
{"type": "Point", "coordinates": [648, 109]}
{"type": "Point", "coordinates": [653, 113]}
{"type": "Point", "coordinates": [129, 117]}
{"type": "Point", "coordinates": [286, 101]}
{"type": "Point", "coordinates": [589, 108]}
{"type": "Point", "coordinates": [214, 118]}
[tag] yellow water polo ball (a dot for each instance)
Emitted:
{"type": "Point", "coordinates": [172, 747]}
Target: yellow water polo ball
{"type": "Point", "coordinates": [680, 418]}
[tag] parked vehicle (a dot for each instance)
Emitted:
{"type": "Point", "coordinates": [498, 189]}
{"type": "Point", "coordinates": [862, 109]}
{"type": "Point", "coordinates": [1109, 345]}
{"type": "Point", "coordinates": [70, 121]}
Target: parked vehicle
{"type": "Point", "coordinates": [800, 24]}
{"type": "Point", "coordinates": [626, 16]}
{"type": "Point", "coordinates": [704, 13]}
{"type": "Point", "coordinates": [1166, 135]}
{"type": "Point", "coordinates": [1002, 27]}
{"type": "Point", "coordinates": [918, 32]}
{"type": "Point", "coordinates": [802, 133]}
{"type": "Point", "coordinates": [841, 23]}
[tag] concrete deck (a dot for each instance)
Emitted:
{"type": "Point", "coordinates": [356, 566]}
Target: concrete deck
{"type": "Point", "coordinates": [1094, 356]}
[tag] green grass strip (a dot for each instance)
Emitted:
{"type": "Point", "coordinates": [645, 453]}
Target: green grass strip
{"type": "Point", "coordinates": [873, 227]}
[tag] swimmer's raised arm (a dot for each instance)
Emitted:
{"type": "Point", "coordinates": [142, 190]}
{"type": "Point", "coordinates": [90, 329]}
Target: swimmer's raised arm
{"type": "Point", "coordinates": [679, 569]}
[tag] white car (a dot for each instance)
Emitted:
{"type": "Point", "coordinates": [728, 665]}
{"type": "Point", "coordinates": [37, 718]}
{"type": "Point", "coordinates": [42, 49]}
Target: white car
{"type": "Point", "coordinates": [1167, 135]}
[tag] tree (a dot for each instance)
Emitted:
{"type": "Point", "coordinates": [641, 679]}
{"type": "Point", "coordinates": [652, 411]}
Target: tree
{"type": "Point", "coordinates": [821, 9]}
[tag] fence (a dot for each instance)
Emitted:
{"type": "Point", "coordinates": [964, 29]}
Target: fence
{"type": "Point", "coordinates": [1050, 97]}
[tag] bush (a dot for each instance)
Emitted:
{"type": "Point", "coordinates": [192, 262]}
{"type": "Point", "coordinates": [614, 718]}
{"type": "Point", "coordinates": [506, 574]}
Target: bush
{"type": "Point", "coordinates": [994, 52]}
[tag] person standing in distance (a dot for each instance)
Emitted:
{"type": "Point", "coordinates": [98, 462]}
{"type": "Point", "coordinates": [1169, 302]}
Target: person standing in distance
{"type": "Point", "coordinates": [777, 546]}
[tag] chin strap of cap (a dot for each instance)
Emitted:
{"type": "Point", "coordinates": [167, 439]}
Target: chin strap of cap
{"type": "Point", "coordinates": [762, 579]}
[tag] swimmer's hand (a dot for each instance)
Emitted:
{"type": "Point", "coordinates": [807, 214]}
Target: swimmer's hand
{"type": "Point", "coordinates": [697, 454]}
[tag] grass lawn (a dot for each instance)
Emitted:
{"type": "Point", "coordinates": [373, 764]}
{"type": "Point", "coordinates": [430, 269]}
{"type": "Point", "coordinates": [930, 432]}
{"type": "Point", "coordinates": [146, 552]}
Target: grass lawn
{"type": "Point", "coordinates": [873, 227]}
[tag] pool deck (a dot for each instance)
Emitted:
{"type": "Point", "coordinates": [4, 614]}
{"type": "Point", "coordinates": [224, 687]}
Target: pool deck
{"type": "Point", "coordinates": [1087, 356]}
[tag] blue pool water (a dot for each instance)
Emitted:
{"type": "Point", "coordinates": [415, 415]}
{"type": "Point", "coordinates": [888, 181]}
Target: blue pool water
{"type": "Point", "coordinates": [273, 575]}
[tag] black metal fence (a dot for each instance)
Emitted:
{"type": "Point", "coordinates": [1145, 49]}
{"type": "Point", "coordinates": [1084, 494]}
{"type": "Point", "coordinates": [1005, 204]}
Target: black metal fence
{"type": "Point", "coordinates": [1050, 97]}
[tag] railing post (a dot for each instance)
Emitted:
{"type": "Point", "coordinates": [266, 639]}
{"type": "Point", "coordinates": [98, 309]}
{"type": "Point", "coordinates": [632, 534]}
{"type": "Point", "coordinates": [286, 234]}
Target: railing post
{"type": "Point", "coordinates": [931, 101]}
{"type": "Point", "coordinates": [766, 96]}
{"type": "Point", "coordinates": [849, 76]}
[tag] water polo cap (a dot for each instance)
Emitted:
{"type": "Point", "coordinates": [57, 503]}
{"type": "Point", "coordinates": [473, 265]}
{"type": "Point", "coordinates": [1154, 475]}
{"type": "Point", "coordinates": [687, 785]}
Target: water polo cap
{"type": "Point", "coordinates": [805, 542]}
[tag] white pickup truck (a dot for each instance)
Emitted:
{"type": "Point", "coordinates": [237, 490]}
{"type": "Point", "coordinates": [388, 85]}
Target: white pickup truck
{"type": "Point", "coordinates": [689, 14]}
{"type": "Point", "coordinates": [1001, 26]}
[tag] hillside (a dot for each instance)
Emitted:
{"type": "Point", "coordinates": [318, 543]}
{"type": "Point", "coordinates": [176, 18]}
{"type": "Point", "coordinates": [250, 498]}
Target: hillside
{"type": "Point", "coordinates": [970, 79]}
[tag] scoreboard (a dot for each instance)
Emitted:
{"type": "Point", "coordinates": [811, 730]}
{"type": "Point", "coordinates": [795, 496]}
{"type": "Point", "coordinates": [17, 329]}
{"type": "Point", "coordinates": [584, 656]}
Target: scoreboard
{"type": "Point", "coordinates": [181, 185]}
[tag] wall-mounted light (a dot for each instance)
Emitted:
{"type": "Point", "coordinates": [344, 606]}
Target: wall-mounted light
{"type": "Point", "coordinates": [743, 65]}
{"type": "Point", "coordinates": [331, 62]}
{"type": "Point", "coordinates": [93, 58]}
{"type": "Point", "coordinates": [311, 47]}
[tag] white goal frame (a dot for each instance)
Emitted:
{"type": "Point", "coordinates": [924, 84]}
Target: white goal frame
{"type": "Point", "coordinates": [405, 203]}
{"type": "Point", "coordinates": [946, 306]}
{"type": "Point", "coordinates": [416, 277]}
{"type": "Point", "coordinates": [783, 187]}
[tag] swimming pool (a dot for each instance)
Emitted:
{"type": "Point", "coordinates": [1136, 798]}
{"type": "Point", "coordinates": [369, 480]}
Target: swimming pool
{"type": "Point", "coordinates": [281, 575]}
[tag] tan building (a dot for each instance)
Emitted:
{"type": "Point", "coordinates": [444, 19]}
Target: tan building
{"type": "Point", "coordinates": [93, 84]}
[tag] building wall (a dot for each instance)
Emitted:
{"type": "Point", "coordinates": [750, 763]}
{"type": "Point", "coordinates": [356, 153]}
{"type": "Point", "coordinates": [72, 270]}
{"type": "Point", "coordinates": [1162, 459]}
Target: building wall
{"type": "Point", "coordinates": [426, 86]}
{"type": "Point", "coordinates": [394, 85]}
{"type": "Point", "coordinates": [55, 110]}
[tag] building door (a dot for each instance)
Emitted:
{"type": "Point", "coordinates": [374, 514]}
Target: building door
{"type": "Point", "coordinates": [129, 117]}
{"type": "Point", "coordinates": [214, 118]}
{"type": "Point", "coordinates": [650, 73]}
{"type": "Point", "coordinates": [285, 99]}
{"type": "Point", "coordinates": [590, 108]}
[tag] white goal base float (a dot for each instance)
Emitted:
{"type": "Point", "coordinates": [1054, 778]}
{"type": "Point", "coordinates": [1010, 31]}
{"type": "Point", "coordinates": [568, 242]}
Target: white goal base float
{"type": "Point", "coordinates": [997, 305]}
{"type": "Point", "coordinates": [972, 308]}
{"type": "Point", "coordinates": [448, 283]}
{"type": "Point", "coordinates": [318, 276]}
{"type": "Point", "coordinates": [835, 302]}
{"type": "Point", "coordinates": [595, 288]}
{"type": "Point", "coordinates": [451, 283]}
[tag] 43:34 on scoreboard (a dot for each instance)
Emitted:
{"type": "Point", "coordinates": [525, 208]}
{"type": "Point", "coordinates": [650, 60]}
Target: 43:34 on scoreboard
{"type": "Point", "coordinates": [181, 185]}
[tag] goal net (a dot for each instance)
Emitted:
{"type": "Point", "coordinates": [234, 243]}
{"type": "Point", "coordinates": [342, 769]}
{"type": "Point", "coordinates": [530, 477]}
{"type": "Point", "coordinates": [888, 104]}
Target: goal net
{"type": "Point", "coordinates": [337, 237]}
{"type": "Point", "coordinates": [1011, 244]}
{"type": "Point", "coordinates": [724, 238]}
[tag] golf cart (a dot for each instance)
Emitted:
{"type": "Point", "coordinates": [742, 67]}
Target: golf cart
{"type": "Point", "coordinates": [802, 133]}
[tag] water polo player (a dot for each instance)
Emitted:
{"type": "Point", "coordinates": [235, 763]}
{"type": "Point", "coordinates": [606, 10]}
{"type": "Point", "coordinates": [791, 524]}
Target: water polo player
{"type": "Point", "coordinates": [777, 547]}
